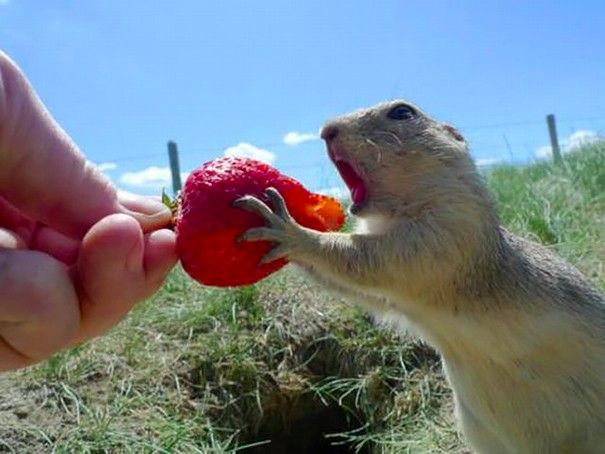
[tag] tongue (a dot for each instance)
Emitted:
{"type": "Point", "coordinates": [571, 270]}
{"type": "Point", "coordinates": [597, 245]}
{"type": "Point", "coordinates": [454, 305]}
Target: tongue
{"type": "Point", "coordinates": [358, 194]}
{"type": "Point", "coordinates": [352, 180]}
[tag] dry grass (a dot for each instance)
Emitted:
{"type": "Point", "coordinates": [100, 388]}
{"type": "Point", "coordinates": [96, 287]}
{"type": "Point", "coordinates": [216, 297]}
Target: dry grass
{"type": "Point", "coordinates": [201, 370]}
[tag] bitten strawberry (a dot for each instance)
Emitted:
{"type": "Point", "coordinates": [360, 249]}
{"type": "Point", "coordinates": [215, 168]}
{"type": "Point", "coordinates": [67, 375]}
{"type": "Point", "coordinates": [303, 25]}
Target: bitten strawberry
{"type": "Point", "coordinates": [208, 225]}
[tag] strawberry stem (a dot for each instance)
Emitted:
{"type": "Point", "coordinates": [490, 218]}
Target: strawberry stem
{"type": "Point", "coordinates": [172, 204]}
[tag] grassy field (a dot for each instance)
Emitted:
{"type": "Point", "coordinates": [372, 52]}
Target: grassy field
{"type": "Point", "coordinates": [205, 370]}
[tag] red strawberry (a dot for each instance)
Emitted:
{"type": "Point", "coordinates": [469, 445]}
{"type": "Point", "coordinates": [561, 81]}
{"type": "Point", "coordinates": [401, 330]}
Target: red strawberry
{"type": "Point", "coordinates": [207, 225]}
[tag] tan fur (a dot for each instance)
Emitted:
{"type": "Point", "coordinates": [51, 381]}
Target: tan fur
{"type": "Point", "coordinates": [521, 332]}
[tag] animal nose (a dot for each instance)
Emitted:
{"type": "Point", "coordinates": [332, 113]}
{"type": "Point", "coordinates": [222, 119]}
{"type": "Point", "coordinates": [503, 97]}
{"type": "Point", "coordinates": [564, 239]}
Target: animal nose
{"type": "Point", "coordinates": [329, 133]}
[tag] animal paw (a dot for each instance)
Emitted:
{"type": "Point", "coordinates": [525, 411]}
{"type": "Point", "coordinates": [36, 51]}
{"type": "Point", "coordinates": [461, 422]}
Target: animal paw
{"type": "Point", "coordinates": [289, 237]}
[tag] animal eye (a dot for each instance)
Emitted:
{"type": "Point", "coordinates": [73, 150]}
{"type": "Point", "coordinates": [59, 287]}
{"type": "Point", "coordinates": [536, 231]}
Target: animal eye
{"type": "Point", "coordinates": [401, 112]}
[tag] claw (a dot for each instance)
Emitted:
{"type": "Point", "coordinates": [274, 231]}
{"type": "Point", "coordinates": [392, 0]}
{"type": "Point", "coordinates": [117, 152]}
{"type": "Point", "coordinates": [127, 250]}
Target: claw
{"type": "Point", "coordinates": [259, 234]}
{"type": "Point", "coordinates": [277, 223]}
{"type": "Point", "coordinates": [278, 202]}
{"type": "Point", "coordinates": [255, 205]}
{"type": "Point", "coordinates": [278, 252]}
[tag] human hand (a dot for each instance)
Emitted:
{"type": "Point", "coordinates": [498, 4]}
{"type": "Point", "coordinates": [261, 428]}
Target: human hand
{"type": "Point", "coordinates": [74, 255]}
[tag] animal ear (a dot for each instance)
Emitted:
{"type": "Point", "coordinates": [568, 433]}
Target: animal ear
{"type": "Point", "coordinates": [453, 132]}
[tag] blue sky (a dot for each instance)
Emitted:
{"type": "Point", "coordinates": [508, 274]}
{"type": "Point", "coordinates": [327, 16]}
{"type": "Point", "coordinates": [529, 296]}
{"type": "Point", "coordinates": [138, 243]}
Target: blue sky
{"type": "Point", "coordinates": [124, 77]}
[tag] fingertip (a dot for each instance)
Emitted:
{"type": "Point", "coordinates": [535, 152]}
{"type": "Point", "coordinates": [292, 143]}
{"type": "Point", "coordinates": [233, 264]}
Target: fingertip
{"type": "Point", "coordinates": [149, 212]}
{"type": "Point", "coordinates": [111, 273]}
{"type": "Point", "coordinates": [163, 239]}
{"type": "Point", "coordinates": [160, 257]}
{"type": "Point", "coordinates": [113, 246]}
{"type": "Point", "coordinates": [116, 232]}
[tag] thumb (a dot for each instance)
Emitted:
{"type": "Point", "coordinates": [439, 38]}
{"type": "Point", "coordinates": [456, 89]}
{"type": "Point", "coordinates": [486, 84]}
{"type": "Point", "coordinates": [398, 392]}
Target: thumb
{"type": "Point", "coordinates": [42, 172]}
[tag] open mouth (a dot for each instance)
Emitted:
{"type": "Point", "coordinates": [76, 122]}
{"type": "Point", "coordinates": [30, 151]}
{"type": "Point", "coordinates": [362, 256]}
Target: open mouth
{"type": "Point", "coordinates": [352, 178]}
{"type": "Point", "coordinates": [354, 182]}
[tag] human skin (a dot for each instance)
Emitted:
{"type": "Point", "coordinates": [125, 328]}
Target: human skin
{"type": "Point", "coordinates": [75, 255]}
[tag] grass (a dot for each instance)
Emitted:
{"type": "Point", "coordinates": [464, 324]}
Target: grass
{"type": "Point", "coordinates": [560, 206]}
{"type": "Point", "coordinates": [205, 370]}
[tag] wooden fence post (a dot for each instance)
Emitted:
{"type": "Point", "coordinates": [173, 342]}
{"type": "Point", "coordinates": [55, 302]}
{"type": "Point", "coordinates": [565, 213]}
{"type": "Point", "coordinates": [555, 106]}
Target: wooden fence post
{"type": "Point", "coordinates": [554, 140]}
{"type": "Point", "coordinates": [173, 156]}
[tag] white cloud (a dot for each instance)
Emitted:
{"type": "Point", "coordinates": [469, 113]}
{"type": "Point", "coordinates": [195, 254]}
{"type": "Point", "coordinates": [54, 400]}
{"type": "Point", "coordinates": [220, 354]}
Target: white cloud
{"type": "Point", "coordinates": [486, 162]}
{"type": "Point", "coordinates": [296, 138]}
{"type": "Point", "coordinates": [570, 143]}
{"type": "Point", "coordinates": [106, 166]}
{"type": "Point", "coordinates": [338, 192]}
{"type": "Point", "coordinates": [580, 138]}
{"type": "Point", "coordinates": [247, 150]}
{"type": "Point", "coordinates": [150, 177]}
{"type": "Point", "coordinates": [543, 152]}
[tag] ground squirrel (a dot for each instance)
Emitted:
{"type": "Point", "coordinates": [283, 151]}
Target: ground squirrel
{"type": "Point", "coordinates": [521, 332]}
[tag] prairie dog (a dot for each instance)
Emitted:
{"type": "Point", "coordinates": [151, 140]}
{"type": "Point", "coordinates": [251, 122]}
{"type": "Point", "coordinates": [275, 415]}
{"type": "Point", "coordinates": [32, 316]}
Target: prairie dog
{"type": "Point", "coordinates": [521, 332]}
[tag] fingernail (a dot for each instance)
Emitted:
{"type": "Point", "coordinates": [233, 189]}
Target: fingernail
{"type": "Point", "coordinates": [141, 204]}
{"type": "Point", "coordinates": [150, 212]}
{"type": "Point", "coordinates": [151, 206]}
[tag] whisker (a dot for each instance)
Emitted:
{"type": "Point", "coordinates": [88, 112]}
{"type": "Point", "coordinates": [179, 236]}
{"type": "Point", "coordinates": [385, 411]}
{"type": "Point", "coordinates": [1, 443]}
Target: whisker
{"type": "Point", "coordinates": [392, 138]}
{"type": "Point", "coordinates": [371, 142]}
